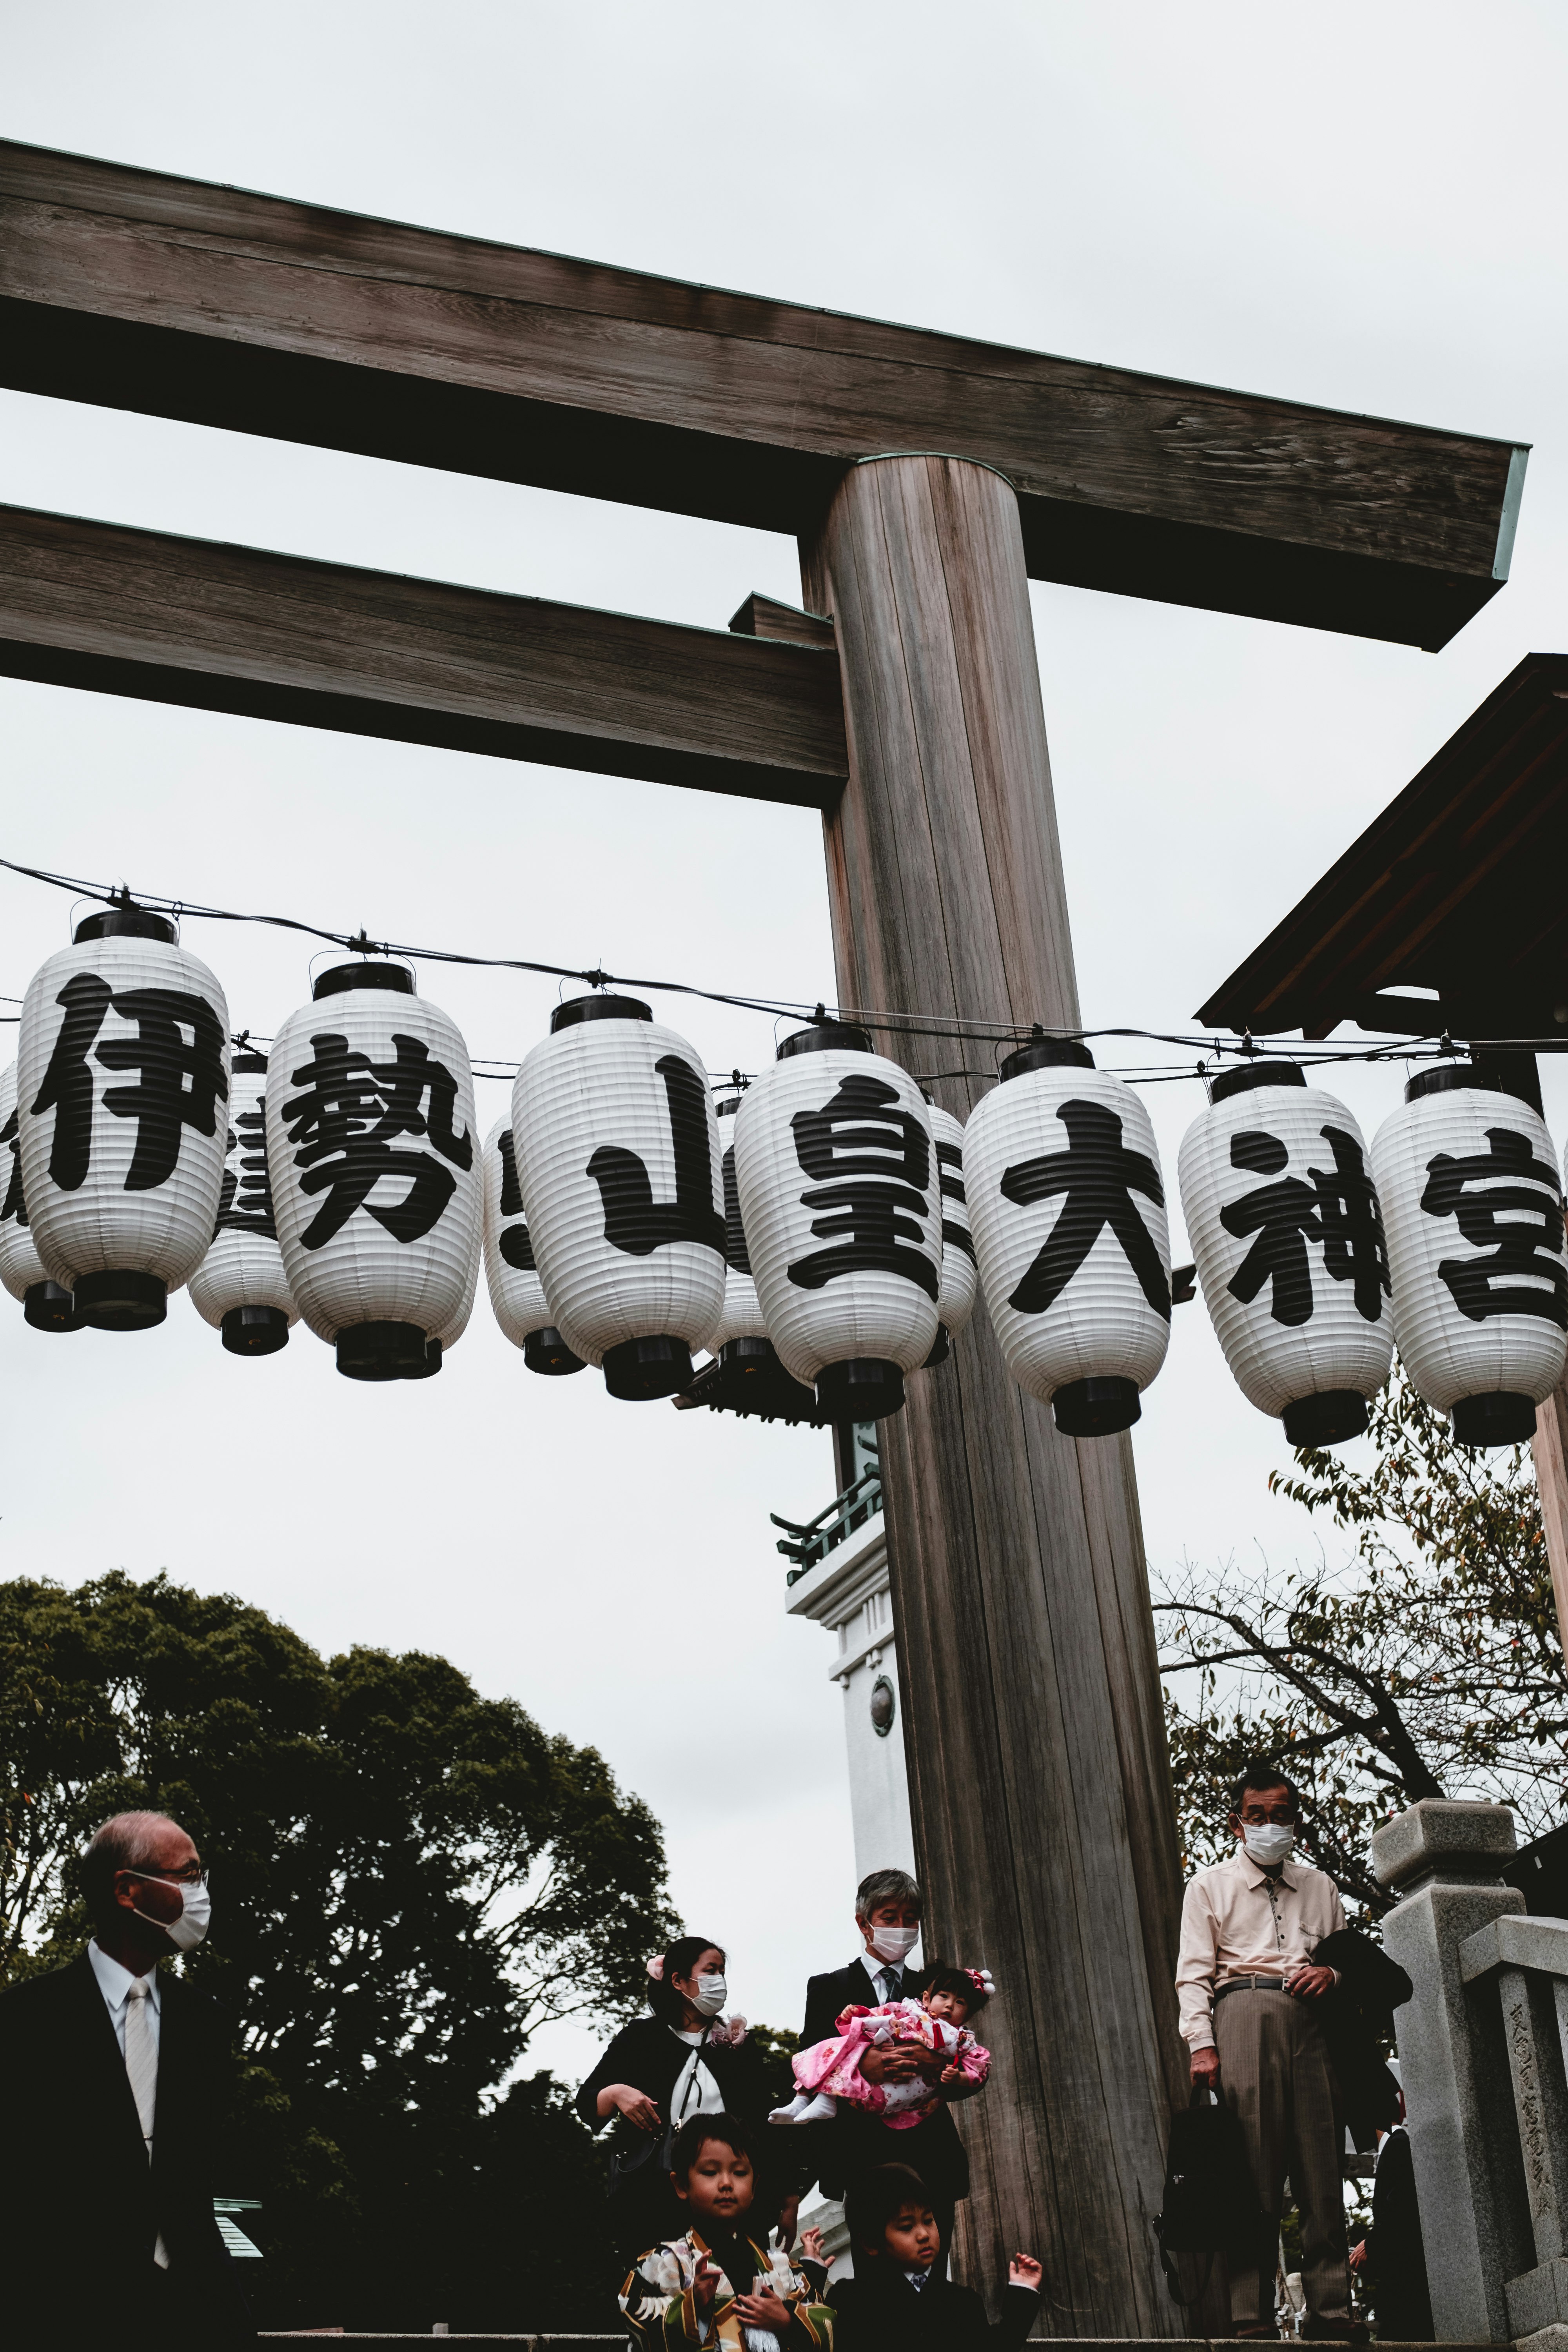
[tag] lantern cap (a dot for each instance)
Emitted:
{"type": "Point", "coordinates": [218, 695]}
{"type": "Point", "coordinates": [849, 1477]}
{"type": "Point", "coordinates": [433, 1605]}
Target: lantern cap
{"type": "Point", "coordinates": [1043, 1052]}
{"type": "Point", "coordinates": [248, 1064]}
{"type": "Point", "coordinates": [598, 1008]}
{"type": "Point", "coordinates": [1247, 1075]}
{"type": "Point", "coordinates": [727, 1107]}
{"type": "Point", "coordinates": [826, 1037]}
{"type": "Point", "coordinates": [1448, 1077]}
{"type": "Point", "coordinates": [339, 978]}
{"type": "Point", "coordinates": [126, 923]}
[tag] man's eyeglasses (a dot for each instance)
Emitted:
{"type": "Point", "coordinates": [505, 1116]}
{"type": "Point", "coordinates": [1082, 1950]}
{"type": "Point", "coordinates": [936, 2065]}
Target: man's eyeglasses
{"type": "Point", "coordinates": [193, 1875]}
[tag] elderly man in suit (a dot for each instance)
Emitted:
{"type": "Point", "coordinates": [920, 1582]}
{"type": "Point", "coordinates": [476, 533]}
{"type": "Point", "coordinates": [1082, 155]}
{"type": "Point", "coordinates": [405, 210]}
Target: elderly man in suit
{"type": "Point", "coordinates": [115, 2074]}
{"type": "Point", "coordinates": [888, 1921]}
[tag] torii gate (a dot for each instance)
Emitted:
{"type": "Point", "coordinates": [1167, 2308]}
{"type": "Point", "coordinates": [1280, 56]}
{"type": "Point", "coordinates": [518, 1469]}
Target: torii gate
{"type": "Point", "coordinates": [927, 478]}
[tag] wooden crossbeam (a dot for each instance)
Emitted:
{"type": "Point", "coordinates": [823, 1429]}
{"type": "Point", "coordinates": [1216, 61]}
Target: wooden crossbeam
{"type": "Point", "coordinates": [134, 289]}
{"type": "Point", "coordinates": [372, 653]}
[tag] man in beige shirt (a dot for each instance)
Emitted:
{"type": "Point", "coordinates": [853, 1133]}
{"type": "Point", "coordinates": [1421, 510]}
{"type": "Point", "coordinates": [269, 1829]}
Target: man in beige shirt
{"type": "Point", "coordinates": [1250, 1992]}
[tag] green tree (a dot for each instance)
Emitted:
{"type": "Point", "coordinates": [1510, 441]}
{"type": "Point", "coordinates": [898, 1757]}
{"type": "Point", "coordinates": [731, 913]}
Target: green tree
{"type": "Point", "coordinates": [1427, 1661]}
{"type": "Point", "coordinates": [407, 1879]}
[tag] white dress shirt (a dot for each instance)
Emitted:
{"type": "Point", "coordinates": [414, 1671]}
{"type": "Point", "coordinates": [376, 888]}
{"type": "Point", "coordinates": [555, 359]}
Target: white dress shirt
{"type": "Point", "coordinates": [114, 1983]}
{"type": "Point", "coordinates": [696, 2093]}
{"type": "Point", "coordinates": [1238, 1920]}
{"type": "Point", "coordinates": [891, 1972]}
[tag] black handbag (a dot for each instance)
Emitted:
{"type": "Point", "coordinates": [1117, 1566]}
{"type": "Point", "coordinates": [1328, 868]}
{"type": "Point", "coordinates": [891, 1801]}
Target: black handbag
{"type": "Point", "coordinates": [1209, 2206]}
{"type": "Point", "coordinates": [630, 2164]}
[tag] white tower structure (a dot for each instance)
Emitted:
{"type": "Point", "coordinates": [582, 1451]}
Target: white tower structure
{"type": "Point", "coordinates": [840, 1580]}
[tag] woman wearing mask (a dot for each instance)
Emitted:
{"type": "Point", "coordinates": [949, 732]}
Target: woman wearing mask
{"type": "Point", "coordinates": [686, 2059]}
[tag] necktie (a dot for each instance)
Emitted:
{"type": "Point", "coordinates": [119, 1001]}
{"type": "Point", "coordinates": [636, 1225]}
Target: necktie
{"type": "Point", "coordinates": [141, 2069]}
{"type": "Point", "coordinates": [892, 1984]}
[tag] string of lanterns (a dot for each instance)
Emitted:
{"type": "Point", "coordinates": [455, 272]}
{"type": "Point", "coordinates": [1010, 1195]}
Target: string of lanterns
{"type": "Point", "coordinates": [827, 1223]}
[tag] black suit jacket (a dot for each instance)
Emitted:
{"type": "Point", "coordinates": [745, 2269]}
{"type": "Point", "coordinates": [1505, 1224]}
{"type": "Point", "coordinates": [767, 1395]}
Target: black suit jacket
{"type": "Point", "coordinates": [879, 2311]}
{"type": "Point", "coordinates": [855, 2141]}
{"type": "Point", "coordinates": [80, 2207]}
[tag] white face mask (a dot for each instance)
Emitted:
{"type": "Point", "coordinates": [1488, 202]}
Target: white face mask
{"type": "Point", "coordinates": [1268, 1841]}
{"type": "Point", "coordinates": [711, 1994]}
{"type": "Point", "coordinates": [894, 1945]}
{"type": "Point", "coordinates": [195, 1914]}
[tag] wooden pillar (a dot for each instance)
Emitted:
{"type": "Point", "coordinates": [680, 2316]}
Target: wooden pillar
{"type": "Point", "coordinates": [1550, 1448]}
{"type": "Point", "coordinates": [1039, 1774]}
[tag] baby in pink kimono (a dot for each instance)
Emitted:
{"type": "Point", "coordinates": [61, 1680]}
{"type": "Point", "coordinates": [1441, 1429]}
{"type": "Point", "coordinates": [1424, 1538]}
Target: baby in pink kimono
{"type": "Point", "coordinates": [936, 2025]}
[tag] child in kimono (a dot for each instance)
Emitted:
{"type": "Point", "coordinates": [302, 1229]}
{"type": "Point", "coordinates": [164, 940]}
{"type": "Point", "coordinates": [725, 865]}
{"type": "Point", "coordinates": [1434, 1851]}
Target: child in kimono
{"type": "Point", "coordinates": [952, 2060]}
{"type": "Point", "coordinates": [716, 2285]}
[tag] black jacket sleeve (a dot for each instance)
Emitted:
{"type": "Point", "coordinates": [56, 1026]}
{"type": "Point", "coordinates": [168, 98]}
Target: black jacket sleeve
{"type": "Point", "coordinates": [618, 2065]}
{"type": "Point", "coordinates": [1019, 2304]}
{"type": "Point", "coordinates": [824, 1997]}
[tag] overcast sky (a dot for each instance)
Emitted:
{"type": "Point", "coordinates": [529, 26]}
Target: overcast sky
{"type": "Point", "coordinates": [1356, 205]}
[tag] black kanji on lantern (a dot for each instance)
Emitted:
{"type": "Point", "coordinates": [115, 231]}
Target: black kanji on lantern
{"type": "Point", "coordinates": [950, 1167]}
{"type": "Point", "coordinates": [14, 1205]}
{"type": "Point", "coordinates": [345, 1128]}
{"type": "Point", "coordinates": [1336, 1208]}
{"type": "Point", "coordinates": [1098, 1176]}
{"type": "Point", "coordinates": [1506, 1202]}
{"type": "Point", "coordinates": [180, 1081]}
{"type": "Point", "coordinates": [245, 1204]}
{"type": "Point", "coordinates": [516, 1249]}
{"type": "Point", "coordinates": [736, 1255]}
{"type": "Point", "coordinates": [879, 1156]}
{"type": "Point", "coordinates": [633, 1221]}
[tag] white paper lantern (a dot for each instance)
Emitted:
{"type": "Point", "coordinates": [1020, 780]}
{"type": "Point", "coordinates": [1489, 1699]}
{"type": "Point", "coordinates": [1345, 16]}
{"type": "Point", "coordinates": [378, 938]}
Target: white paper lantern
{"type": "Point", "coordinates": [441, 1343]}
{"type": "Point", "coordinates": [617, 1156]}
{"type": "Point", "coordinates": [46, 1304]}
{"type": "Point", "coordinates": [742, 1318]}
{"type": "Point", "coordinates": [1283, 1218]}
{"type": "Point", "coordinates": [1472, 1206]}
{"type": "Point", "coordinates": [517, 1294]}
{"type": "Point", "coordinates": [239, 1287]}
{"type": "Point", "coordinates": [377, 1178]}
{"type": "Point", "coordinates": [837, 1184]}
{"type": "Point", "coordinates": [122, 1087]}
{"type": "Point", "coordinates": [1068, 1214]}
{"type": "Point", "coordinates": [960, 1266]}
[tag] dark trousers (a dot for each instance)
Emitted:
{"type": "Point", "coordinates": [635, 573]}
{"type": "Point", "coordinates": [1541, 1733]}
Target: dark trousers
{"type": "Point", "coordinates": [1274, 2076]}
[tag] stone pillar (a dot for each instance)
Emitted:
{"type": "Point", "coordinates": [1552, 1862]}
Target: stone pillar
{"type": "Point", "coordinates": [1444, 1857]}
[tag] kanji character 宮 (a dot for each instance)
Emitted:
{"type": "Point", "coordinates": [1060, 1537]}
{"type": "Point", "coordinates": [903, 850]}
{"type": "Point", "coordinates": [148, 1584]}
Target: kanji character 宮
{"type": "Point", "coordinates": [516, 1248]}
{"type": "Point", "coordinates": [1098, 1176]}
{"type": "Point", "coordinates": [1518, 1222]}
{"type": "Point", "coordinates": [950, 1167]}
{"type": "Point", "coordinates": [245, 1204]}
{"type": "Point", "coordinates": [878, 1155]}
{"type": "Point", "coordinates": [345, 1126]}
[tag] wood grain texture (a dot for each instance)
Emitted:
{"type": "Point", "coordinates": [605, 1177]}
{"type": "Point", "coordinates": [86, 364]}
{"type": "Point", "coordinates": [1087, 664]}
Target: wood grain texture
{"type": "Point", "coordinates": [1455, 887]}
{"type": "Point", "coordinates": [136, 289]}
{"type": "Point", "coordinates": [764, 616]}
{"type": "Point", "coordinates": [1040, 1782]}
{"type": "Point", "coordinates": [321, 645]}
{"type": "Point", "coordinates": [1550, 1449]}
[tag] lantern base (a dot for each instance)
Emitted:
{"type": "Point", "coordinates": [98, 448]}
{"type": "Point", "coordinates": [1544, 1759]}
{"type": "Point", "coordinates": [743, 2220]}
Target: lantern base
{"type": "Point", "coordinates": [862, 1388]}
{"type": "Point", "coordinates": [640, 1369]}
{"type": "Point", "coordinates": [255, 1330]}
{"type": "Point", "coordinates": [751, 1358]}
{"type": "Point", "coordinates": [431, 1365]}
{"type": "Point", "coordinates": [1330, 1418]}
{"type": "Point", "coordinates": [1096, 1408]}
{"type": "Point", "coordinates": [546, 1352]}
{"type": "Point", "coordinates": [382, 1352]}
{"type": "Point", "coordinates": [48, 1306]}
{"type": "Point", "coordinates": [941, 1347]}
{"type": "Point", "coordinates": [1499, 1418]}
{"type": "Point", "coordinates": [121, 1302]}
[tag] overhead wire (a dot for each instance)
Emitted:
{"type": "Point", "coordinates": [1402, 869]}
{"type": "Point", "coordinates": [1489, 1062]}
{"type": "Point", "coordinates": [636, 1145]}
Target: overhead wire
{"type": "Point", "coordinates": [954, 1028]}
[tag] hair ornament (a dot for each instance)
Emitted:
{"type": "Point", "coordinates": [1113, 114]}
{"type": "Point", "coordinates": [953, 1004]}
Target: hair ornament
{"type": "Point", "coordinates": [656, 1968]}
{"type": "Point", "coordinates": [981, 1981]}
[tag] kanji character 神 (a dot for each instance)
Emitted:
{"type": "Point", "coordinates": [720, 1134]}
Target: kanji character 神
{"type": "Point", "coordinates": [1336, 1208]}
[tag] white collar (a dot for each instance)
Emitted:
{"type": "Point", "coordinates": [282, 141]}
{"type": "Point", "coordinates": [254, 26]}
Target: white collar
{"type": "Point", "coordinates": [875, 1967]}
{"type": "Point", "coordinates": [114, 1982]}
